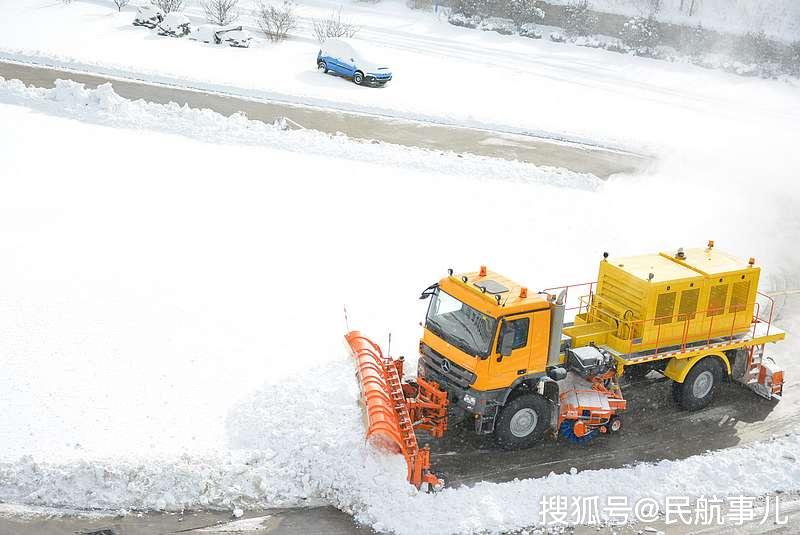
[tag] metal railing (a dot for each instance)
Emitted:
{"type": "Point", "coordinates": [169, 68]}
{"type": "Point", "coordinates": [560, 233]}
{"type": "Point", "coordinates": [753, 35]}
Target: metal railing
{"type": "Point", "coordinates": [635, 330]}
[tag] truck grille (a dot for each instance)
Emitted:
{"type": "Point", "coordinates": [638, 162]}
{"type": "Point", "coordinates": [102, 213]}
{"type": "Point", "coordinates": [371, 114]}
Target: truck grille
{"type": "Point", "coordinates": [434, 366]}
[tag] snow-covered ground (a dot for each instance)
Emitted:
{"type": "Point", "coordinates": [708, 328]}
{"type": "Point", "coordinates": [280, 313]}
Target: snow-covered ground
{"type": "Point", "coordinates": [442, 73]}
{"type": "Point", "coordinates": [172, 320]}
{"type": "Point", "coordinates": [778, 18]}
{"type": "Point", "coordinates": [173, 283]}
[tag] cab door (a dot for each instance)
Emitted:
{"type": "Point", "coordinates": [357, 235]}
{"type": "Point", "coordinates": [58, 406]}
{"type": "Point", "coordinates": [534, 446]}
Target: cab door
{"type": "Point", "coordinates": [504, 370]}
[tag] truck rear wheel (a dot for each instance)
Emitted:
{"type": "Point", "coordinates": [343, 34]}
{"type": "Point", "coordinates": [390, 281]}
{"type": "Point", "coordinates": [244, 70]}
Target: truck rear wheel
{"type": "Point", "coordinates": [522, 422]}
{"type": "Point", "coordinates": [700, 385]}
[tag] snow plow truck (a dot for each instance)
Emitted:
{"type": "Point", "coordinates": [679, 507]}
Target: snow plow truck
{"type": "Point", "coordinates": [523, 364]}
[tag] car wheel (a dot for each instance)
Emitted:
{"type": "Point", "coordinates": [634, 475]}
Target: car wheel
{"type": "Point", "coordinates": [522, 422]}
{"type": "Point", "coordinates": [358, 78]}
{"type": "Point", "coordinates": [323, 67]}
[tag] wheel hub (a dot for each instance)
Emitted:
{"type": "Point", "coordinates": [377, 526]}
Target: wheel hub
{"type": "Point", "coordinates": [703, 384]}
{"type": "Point", "coordinates": [523, 422]}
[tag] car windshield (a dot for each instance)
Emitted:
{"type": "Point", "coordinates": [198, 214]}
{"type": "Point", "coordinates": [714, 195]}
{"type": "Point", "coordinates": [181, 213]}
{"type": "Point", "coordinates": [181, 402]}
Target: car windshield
{"type": "Point", "coordinates": [459, 324]}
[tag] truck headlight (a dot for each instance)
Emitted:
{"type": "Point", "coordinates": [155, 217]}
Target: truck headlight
{"type": "Point", "coordinates": [469, 400]}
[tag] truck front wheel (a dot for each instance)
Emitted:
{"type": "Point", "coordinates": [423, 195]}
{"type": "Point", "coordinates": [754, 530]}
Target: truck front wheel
{"type": "Point", "coordinates": [522, 422]}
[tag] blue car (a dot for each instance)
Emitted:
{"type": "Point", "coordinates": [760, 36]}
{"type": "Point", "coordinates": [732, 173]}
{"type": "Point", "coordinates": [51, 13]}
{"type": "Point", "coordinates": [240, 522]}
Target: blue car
{"type": "Point", "coordinates": [340, 57]}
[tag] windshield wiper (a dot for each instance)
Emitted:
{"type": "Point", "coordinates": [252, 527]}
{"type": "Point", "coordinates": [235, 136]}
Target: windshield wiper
{"type": "Point", "coordinates": [466, 329]}
{"type": "Point", "coordinates": [446, 335]}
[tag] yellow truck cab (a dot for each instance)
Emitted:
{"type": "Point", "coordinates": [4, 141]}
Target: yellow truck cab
{"type": "Point", "coordinates": [486, 341]}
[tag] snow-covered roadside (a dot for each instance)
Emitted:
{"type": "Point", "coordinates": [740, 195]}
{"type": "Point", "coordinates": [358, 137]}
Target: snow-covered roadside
{"type": "Point", "coordinates": [180, 271]}
{"type": "Point", "coordinates": [442, 73]}
{"type": "Point", "coordinates": [103, 106]}
{"type": "Point", "coordinates": [779, 18]}
{"type": "Point", "coordinates": [312, 453]}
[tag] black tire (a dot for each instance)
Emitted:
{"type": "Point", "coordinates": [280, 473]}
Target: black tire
{"type": "Point", "coordinates": [525, 431]}
{"type": "Point", "coordinates": [614, 425]}
{"type": "Point", "coordinates": [358, 78]}
{"type": "Point", "coordinates": [677, 392]}
{"type": "Point", "coordinates": [700, 386]}
{"type": "Point", "coordinates": [323, 67]}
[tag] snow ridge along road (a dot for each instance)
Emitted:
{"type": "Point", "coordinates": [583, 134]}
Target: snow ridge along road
{"type": "Point", "coordinates": [577, 157]}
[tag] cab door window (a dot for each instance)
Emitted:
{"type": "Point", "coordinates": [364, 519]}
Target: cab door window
{"type": "Point", "coordinates": [520, 329]}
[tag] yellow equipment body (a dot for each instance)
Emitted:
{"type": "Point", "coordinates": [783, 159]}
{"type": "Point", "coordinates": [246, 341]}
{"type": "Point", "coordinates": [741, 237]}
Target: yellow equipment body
{"type": "Point", "coordinates": [684, 306]}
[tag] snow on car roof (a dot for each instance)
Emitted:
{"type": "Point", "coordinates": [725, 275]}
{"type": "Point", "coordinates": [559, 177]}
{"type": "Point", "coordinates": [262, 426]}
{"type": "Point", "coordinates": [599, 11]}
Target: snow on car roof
{"type": "Point", "coordinates": [351, 48]}
{"type": "Point", "coordinates": [338, 47]}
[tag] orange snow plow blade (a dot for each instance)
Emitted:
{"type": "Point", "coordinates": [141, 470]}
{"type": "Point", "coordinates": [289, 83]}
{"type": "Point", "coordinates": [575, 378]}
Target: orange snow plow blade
{"type": "Point", "coordinates": [394, 409]}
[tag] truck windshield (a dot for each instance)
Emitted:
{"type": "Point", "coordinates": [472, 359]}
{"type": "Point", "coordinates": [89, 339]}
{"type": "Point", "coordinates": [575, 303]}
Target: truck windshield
{"type": "Point", "coordinates": [459, 324]}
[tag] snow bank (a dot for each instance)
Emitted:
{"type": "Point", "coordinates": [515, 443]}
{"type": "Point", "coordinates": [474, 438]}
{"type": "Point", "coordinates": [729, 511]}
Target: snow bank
{"type": "Point", "coordinates": [104, 106]}
{"type": "Point", "coordinates": [306, 452]}
{"type": "Point", "coordinates": [289, 447]}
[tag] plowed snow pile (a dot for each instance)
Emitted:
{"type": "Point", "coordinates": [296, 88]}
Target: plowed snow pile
{"type": "Point", "coordinates": [171, 320]}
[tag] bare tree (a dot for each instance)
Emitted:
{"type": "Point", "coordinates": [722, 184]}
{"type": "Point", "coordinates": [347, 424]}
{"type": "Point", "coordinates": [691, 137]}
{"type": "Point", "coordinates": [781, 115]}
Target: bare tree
{"type": "Point", "coordinates": [121, 3]}
{"type": "Point", "coordinates": [334, 27]}
{"type": "Point", "coordinates": [168, 6]}
{"type": "Point", "coordinates": [220, 12]}
{"type": "Point", "coordinates": [276, 22]}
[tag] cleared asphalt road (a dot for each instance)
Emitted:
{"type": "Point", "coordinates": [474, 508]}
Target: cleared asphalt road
{"type": "Point", "coordinates": [599, 161]}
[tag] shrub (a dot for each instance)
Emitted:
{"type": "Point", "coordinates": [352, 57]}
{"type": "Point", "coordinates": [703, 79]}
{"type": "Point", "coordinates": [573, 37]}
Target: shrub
{"type": "Point", "coordinates": [468, 8]}
{"type": "Point", "coordinates": [276, 22]}
{"type": "Point", "coordinates": [588, 42]}
{"type": "Point", "coordinates": [617, 46]}
{"type": "Point", "coordinates": [524, 12]}
{"type": "Point", "coordinates": [791, 59]}
{"type": "Point", "coordinates": [755, 47]}
{"type": "Point", "coordinates": [121, 3]}
{"type": "Point", "coordinates": [168, 6]}
{"type": "Point", "coordinates": [640, 33]}
{"type": "Point", "coordinates": [333, 27]}
{"type": "Point", "coordinates": [459, 19]}
{"type": "Point", "coordinates": [220, 12]}
{"type": "Point", "coordinates": [557, 37]}
{"type": "Point", "coordinates": [695, 40]}
{"type": "Point", "coordinates": [529, 30]}
{"type": "Point", "coordinates": [579, 19]}
{"type": "Point", "coordinates": [499, 25]}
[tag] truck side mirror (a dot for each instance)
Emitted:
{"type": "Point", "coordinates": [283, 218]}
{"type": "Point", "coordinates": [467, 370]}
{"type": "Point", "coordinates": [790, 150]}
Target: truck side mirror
{"type": "Point", "coordinates": [429, 291]}
{"type": "Point", "coordinates": [506, 342]}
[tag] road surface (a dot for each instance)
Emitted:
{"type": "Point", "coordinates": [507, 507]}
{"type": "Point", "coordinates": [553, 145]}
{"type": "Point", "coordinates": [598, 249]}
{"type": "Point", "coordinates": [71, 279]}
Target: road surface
{"type": "Point", "coordinates": [599, 161]}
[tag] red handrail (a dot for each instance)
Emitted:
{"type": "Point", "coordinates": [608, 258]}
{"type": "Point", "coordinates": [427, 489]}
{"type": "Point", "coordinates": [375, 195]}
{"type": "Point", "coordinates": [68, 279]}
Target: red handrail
{"type": "Point", "coordinates": [587, 301]}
